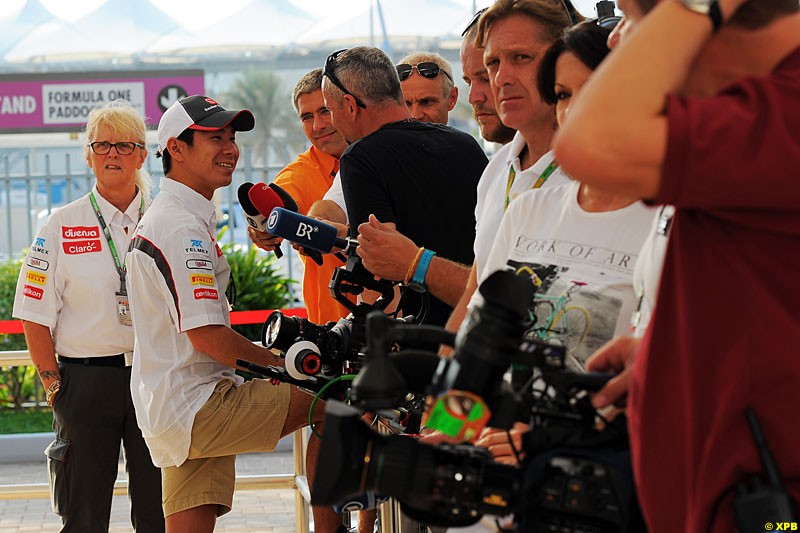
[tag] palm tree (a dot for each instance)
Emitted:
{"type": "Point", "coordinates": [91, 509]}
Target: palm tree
{"type": "Point", "coordinates": [262, 92]}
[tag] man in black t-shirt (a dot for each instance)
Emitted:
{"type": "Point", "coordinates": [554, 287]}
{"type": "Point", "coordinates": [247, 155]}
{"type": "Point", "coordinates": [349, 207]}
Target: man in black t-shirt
{"type": "Point", "coordinates": [415, 177]}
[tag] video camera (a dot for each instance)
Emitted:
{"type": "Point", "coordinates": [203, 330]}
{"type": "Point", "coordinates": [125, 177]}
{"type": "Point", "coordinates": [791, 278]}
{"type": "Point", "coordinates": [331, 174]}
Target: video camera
{"type": "Point", "coordinates": [574, 476]}
{"type": "Point", "coordinates": [318, 354]}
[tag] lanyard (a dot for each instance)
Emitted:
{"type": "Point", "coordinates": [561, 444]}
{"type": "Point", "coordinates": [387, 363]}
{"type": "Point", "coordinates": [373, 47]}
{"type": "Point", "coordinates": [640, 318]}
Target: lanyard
{"type": "Point", "coordinates": [539, 182]}
{"type": "Point", "coordinates": [107, 232]}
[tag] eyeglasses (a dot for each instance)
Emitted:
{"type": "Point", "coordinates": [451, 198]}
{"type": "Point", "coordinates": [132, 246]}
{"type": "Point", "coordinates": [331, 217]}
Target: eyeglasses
{"type": "Point", "coordinates": [426, 69]}
{"type": "Point", "coordinates": [327, 71]}
{"type": "Point", "coordinates": [474, 20]}
{"type": "Point", "coordinates": [123, 148]}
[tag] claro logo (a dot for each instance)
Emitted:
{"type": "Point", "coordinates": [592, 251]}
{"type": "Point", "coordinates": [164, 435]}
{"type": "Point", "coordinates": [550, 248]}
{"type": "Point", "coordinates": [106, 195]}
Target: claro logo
{"type": "Point", "coordinates": [82, 247]}
{"type": "Point", "coordinates": [80, 232]}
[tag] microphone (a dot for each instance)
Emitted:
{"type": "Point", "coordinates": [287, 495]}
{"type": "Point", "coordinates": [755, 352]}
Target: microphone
{"type": "Point", "coordinates": [306, 231]}
{"type": "Point", "coordinates": [288, 201]}
{"type": "Point", "coordinates": [252, 213]}
{"type": "Point", "coordinates": [265, 198]}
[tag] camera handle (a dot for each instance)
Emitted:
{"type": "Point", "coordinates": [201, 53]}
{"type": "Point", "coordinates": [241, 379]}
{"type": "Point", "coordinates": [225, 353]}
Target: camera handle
{"type": "Point", "coordinates": [353, 278]}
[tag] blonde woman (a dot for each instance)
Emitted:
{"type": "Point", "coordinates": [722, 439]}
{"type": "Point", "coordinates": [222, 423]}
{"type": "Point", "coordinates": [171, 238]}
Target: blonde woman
{"type": "Point", "coordinates": [72, 300]}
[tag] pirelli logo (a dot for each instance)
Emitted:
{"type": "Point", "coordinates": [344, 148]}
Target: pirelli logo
{"type": "Point", "coordinates": [32, 292]}
{"type": "Point", "coordinates": [38, 279]}
{"type": "Point", "coordinates": [206, 294]}
{"type": "Point", "coordinates": [202, 279]}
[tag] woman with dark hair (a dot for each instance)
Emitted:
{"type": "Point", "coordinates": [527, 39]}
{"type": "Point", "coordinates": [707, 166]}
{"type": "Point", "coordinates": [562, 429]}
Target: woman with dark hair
{"type": "Point", "coordinates": [568, 62]}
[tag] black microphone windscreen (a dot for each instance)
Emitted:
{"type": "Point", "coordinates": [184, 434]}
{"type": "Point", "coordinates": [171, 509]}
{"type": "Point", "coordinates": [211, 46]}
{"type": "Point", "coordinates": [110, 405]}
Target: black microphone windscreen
{"type": "Point", "coordinates": [288, 201]}
{"type": "Point", "coordinates": [244, 199]}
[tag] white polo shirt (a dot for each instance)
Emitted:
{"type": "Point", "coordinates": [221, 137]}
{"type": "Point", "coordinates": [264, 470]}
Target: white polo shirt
{"type": "Point", "coordinates": [177, 278]}
{"type": "Point", "coordinates": [69, 281]}
{"type": "Point", "coordinates": [492, 192]}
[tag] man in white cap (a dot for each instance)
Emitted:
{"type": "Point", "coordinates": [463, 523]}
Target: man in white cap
{"type": "Point", "coordinates": [196, 414]}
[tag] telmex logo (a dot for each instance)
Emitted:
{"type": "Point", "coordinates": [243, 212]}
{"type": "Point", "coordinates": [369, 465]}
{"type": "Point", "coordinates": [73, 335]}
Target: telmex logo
{"type": "Point", "coordinates": [201, 279]}
{"type": "Point", "coordinates": [196, 243]}
{"type": "Point", "coordinates": [33, 292]}
{"type": "Point", "coordinates": [80, 232]}
{"type": "Point", "coordinates": [81, 247]}
{"type": "Point", "coordinates": [39, 241]}
{"type": "Point", "coordinates": [206, 294]}
{"type": "Point", "coordinates": [272, 220]}
{"type": "Point", "coordinates": [33, 277]}
{"type": "Point", "coordinates": [41, 264]}
{"type": "Point", "coordinates": [198, 264]}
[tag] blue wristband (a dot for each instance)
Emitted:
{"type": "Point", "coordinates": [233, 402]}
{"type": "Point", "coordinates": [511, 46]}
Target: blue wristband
{"type": "Point", "coordinates": [418, 280]}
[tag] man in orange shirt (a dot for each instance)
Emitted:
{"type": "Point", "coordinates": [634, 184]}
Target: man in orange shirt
{"type": "Point", "coordinates": [307, 180]}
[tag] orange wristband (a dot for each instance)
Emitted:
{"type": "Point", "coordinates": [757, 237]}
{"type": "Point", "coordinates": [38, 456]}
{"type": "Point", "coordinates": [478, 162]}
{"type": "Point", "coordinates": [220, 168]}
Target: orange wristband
{"type": "Point", "coordinates": [413, 266]}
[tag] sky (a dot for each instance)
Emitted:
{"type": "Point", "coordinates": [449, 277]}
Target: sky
{"type": "Point", "coordinates": [74, 9]}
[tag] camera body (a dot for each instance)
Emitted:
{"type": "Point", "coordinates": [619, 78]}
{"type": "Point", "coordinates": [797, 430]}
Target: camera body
{"type": "Point", "coordinates": [573, 478]}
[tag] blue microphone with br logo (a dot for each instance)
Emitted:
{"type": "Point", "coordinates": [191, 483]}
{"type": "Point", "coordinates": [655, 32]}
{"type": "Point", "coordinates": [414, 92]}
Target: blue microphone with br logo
{"type": "Point", "coordinates": [306, 231]}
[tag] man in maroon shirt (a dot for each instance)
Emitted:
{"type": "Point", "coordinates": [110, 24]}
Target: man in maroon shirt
{"type": "Point", "coordinates": [710, 123]}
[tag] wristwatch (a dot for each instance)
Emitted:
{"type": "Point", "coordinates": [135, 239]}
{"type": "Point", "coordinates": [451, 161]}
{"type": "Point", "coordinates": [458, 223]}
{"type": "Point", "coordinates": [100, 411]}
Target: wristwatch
{"type": "Point", "coordinates": [709, 8]}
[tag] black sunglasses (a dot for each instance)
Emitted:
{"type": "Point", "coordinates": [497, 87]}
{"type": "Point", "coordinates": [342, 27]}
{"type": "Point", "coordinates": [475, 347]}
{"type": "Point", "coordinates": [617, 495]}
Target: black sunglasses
{"type": "Point", "coordinates": [474, 20]}
{"type": "Point", "coordinates": [327, 71]}
{"type": "Point", "coordinates": [426, 69]}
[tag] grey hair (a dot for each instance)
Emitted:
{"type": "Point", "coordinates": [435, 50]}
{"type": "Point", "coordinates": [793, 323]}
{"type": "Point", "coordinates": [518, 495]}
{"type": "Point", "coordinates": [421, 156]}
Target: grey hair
{"type": "Point", "coordinates": [419, 57]}
{"type": "Point", "coordinates": [368, 74]}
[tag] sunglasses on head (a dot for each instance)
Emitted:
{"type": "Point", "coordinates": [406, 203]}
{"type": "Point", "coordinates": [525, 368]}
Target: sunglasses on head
{"type": "Point", "coordinates": [426, 69]}
{"type": "Point", "coordinates": [474, 20]}
{"type": "Point", "coordinates": [328, 72]}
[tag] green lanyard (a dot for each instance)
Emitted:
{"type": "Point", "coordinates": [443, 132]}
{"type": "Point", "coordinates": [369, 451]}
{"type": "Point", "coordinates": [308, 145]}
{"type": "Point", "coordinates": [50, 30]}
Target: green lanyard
{"type": "Point", "coordinates": [107, 232]}
{"type": "Point", "coordinates": [539, 182]}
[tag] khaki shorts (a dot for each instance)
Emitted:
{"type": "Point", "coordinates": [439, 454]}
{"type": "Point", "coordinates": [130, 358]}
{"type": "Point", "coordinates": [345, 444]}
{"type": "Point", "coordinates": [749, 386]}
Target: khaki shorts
{"type": "Point", "coordinates": [234, 420]}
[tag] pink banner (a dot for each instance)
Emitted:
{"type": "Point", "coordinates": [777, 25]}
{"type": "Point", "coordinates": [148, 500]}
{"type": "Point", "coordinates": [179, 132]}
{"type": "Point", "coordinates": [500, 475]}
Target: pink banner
{"type": "Point", "coordinates": [61, 102]}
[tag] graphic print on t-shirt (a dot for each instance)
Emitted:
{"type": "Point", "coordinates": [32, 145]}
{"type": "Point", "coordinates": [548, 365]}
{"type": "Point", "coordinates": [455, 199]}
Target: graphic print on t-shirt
{"type": "Point", "coordinates": [568, 310]}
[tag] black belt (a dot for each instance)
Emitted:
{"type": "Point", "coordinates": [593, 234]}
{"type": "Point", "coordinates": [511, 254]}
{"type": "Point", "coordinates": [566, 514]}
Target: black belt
{"type": "Point", "coordinates": [111, 360]}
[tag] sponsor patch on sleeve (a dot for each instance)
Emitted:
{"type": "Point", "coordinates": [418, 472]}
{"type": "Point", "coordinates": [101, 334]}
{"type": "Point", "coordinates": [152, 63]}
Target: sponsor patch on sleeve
{"type": "Point", "coordinates": [35, 277]}
{"type": "Point", "coordinates": [32, 292]}
{"type": "Point", "coordinates": [199, 264]}
{"type": "Point", "coordinates": [196, 246]}
{"type": "Point", "coordinates": [206, 294]}
{"type": "Point", "coordinates": [82, 247]}
{"type": "Point", "coordinates": [40, 246]}
{"type": "Point", "coordinates": [202, 279]}
{"type": "Point", "coordinates": [41, 264]}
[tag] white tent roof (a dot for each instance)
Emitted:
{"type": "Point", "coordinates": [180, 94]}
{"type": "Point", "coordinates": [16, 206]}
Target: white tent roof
{"type": "Point", "coordinates": [14, 28]}
{"type": "Point", "coordinates": [259, 23]}
{"type": "Point", "coordinates": [425, 18]}
{"type": "Point", "coordinates": [120, 27]}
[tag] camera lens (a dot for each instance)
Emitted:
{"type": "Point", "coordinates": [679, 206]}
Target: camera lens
{"type": "Point", "coordinates": [279, 331]}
